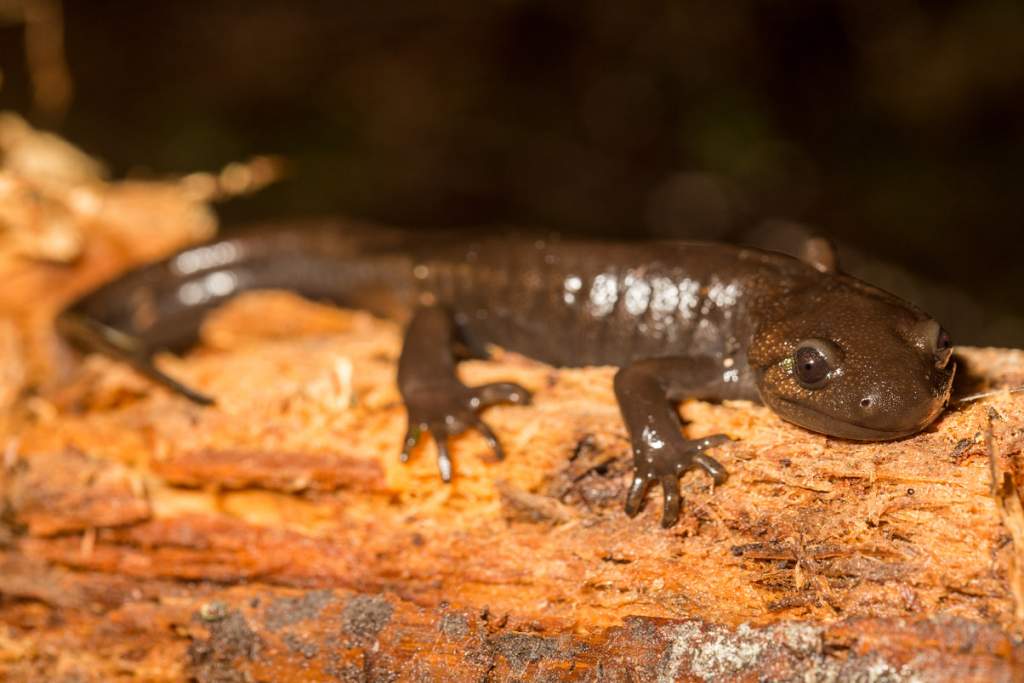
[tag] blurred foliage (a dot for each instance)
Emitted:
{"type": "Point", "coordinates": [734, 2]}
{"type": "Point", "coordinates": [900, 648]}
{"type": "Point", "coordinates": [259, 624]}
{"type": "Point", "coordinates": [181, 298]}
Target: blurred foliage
{"type": "Point", "coordinates": [894, 127]}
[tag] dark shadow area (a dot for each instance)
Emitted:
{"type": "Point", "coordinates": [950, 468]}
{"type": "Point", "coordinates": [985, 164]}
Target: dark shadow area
{"type": "Point", "coordinates": [895, 128]}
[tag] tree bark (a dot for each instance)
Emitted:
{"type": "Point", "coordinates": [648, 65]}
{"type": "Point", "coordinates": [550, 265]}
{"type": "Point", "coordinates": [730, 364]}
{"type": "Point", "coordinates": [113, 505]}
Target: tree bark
{"type": "Point", "coordinates": [276, 537]}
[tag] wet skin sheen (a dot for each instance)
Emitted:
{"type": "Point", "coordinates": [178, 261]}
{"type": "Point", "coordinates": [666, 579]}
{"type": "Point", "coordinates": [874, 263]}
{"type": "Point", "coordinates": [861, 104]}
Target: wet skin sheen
{"type": "Point", "coordinates": [681, 320]}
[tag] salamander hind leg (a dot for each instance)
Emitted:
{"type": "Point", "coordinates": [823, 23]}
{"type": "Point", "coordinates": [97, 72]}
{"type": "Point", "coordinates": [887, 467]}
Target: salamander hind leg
{"type": "Point", "coordinates": [92, 335]}
{"type": "Point", "coordinates": [436, 401]}
{"type": "Point", "coordinates": [660, 452]}
{"type": "Point", "coordinates": [820, 253]}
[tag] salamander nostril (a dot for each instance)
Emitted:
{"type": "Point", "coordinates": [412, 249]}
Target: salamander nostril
{"type": "Point", "coordinates": [866, 402]}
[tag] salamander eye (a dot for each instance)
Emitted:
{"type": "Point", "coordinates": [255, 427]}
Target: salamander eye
{"type": "Point", "coordinates": [943, 342]}
{"type": "Point", "coordinates": [811, 367]}
{"type": "Point", "coordinates": [814, 361]}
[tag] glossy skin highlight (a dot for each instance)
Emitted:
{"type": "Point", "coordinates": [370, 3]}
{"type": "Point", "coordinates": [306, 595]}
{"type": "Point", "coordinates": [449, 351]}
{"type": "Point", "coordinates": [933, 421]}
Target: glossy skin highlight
{"type": "Point", "coordinates": [681, 320]}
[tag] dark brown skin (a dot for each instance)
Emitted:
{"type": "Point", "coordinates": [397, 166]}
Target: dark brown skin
{"type": "Point", "coordinates": [681, 320]}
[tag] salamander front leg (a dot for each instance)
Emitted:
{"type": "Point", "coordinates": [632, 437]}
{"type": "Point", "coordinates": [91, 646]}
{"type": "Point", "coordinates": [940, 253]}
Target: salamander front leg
{"type": "Point", "coordinates": [435, 399]}
{"type": "Point", "coordinates": [660, 453]}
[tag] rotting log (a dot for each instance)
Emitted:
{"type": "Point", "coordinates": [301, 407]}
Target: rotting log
{"type": "Point", "coordinates": [276, 537]}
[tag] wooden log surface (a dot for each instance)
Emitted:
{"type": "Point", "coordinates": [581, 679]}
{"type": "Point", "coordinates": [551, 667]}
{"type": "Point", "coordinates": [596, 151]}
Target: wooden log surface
{"type": "Point", "coordinates": [276, 537]}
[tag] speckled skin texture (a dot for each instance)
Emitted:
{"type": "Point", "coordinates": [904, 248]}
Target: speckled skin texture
{"type": "Point", "coordinates": [681, 320]}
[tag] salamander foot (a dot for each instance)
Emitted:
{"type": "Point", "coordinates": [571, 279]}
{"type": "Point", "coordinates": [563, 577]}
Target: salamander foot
{"type": "Point", "coordinates": [451, 410]}
{"type": "Point", "coordinates": [664, 459]}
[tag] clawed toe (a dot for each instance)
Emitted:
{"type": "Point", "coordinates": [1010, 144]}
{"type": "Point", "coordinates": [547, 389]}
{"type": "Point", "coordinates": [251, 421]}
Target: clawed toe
{"type": "Point", "coordinates": [412, 437]}
{"type": "Point", "coordinates": [708, 442]}
{"type": "Point", "coordinates": [499, 392]}
{"type": "Point", "coordinates": [492, 441]}
{"type": "Point", "coordinates": [672, 501]}
{"type": "Point", "coordinates": [714, 468]}
{"type": "Point", "coordinates": [636, 495]}
{"type": "Point", "coordinates": [444, 461]}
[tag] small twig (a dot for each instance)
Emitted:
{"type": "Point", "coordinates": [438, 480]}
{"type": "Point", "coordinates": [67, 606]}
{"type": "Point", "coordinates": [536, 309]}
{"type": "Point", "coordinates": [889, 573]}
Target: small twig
{"type": "Point", "coordinates": [986, 394]}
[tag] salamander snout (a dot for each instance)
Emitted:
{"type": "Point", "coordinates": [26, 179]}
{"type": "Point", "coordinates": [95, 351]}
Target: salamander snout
{"type": "Point", "coordinates": [885, 409]}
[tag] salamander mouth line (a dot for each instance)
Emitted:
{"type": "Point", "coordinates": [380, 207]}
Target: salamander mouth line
{"type": "Point", "coordinates": [875, 433]}
{"type": "Point", "coordinates": [885, 434]}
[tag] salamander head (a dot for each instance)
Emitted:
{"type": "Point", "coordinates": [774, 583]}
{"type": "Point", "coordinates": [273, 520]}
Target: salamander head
{"type": "Point", "coordinates": [850, 361]}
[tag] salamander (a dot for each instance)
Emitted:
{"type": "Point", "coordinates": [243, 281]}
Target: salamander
{"type": "Point", "coordinates": [681, 320]}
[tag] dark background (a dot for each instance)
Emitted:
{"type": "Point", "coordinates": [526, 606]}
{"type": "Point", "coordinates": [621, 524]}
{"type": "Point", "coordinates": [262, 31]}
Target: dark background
{"type": "Point", "coordinates": [894, 127]}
